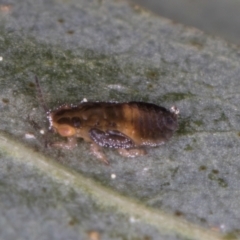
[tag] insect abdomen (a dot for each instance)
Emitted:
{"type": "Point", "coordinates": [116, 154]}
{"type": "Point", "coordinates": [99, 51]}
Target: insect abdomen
{"type": "Point", "coordinates": [148, 124]}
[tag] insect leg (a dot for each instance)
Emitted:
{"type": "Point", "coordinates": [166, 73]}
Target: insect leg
{"type": "Point", "coordinates": [132, 152]}
{"type": "Point", "coordinates": [70, 144]}
{"type": "Point", "coordinates": [97, 152]}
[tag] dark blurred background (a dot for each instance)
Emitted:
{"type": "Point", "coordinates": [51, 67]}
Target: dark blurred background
{"type": "Point", "coordinates": [216, 17]}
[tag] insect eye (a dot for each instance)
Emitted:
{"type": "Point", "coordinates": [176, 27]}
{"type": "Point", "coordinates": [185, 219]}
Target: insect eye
{"type": "Point", "coordinates": [170, 122]}
{"type": "Point", "coordinates": [76, 122]}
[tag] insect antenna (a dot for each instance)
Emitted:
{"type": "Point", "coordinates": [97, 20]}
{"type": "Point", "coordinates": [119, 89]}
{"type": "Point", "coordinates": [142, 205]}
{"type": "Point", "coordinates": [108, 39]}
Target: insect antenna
{"type": "Point", "coordinates": [40, 95]}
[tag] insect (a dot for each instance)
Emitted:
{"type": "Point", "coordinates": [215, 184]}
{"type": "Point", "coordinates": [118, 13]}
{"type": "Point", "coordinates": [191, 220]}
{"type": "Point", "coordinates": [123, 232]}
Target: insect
{"type": "Point", "coordinates": [129, 127]}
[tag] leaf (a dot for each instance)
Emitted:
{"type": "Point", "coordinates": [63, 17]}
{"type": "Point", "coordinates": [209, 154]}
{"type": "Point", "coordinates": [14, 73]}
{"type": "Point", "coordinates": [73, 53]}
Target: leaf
{"type": "Point", "coordinates": [111, 51]}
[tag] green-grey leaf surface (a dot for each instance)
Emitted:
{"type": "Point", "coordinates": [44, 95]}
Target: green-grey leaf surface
{"type": "Point", "coordinates": [113, 51]}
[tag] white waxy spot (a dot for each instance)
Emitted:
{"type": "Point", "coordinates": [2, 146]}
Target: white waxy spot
{"type": "Point", "coordinates": [174, 110]}
{"type": "Point", "coordinates": [42, 131]}
{"type": "Point", "coordinates": [29, 136]}
{"type": "Point", "coordinates": [222, 227]}
{"type": "Point", "coordinates": [113, 176]}
{"type": "Point", "coordinates": [1, 58]}
{"type": "Point", "coordinates": [84, 100]}
{"type": "Point", "coordinates": [118, 87]}
{"type": "Point", "coordinates": [132, 220]}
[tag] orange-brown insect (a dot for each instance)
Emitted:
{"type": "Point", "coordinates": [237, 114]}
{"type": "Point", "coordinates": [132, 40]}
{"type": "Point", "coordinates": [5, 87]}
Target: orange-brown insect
{"type": "Point", "coordinates": [129, 127]}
